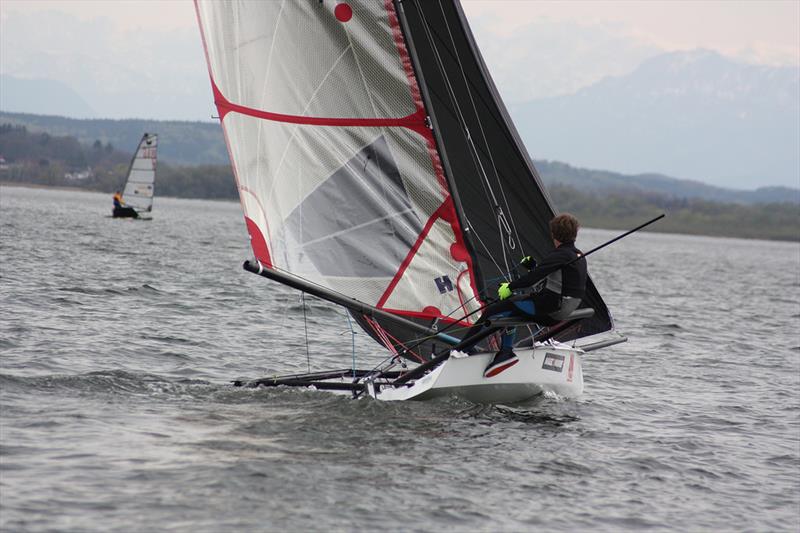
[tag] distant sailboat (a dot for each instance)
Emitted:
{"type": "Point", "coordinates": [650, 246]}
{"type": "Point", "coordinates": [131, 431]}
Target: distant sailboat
{"type": "Point", "coordinates": [137, 196]}
{"type": "Point", "coordinates": [378, 169]}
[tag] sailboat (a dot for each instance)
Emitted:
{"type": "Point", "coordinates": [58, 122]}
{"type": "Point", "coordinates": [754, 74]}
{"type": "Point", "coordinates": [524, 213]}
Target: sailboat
{"type": "Point", "coordinates": [140, 181]}
{"type": "Point", "coordinates": [378, 169]}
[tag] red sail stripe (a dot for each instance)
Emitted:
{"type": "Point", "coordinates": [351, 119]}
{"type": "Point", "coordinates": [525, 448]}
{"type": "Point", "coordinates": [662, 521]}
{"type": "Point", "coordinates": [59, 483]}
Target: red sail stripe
{"type": "Point", "coordinates": [426, 132]}
{"type": "Point", "coordinates": [411, 253]}
{"type": "Point", "coordinates": [414, 121]}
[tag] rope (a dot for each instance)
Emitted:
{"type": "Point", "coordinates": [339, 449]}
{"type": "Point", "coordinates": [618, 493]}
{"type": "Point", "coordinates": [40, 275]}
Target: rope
{"type": "Point", "coordinates": [502, 221]}
{"type": "Point", "coordinates": [501, 217]}
{"type": "Point", "coordinates": [305, 326]}
{"type": "Point", "coordinates": [353, 337]}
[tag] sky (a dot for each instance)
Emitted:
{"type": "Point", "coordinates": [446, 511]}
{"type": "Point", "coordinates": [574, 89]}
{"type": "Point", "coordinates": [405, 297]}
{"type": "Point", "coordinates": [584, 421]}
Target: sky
{"type": "Point", "coordinates": [97, 43]}
{"type": "Point", "coordinates": [144, 58]}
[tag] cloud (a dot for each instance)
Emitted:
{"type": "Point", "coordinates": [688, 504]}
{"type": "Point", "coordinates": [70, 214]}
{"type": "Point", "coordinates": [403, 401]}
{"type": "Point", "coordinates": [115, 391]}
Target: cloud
{"type": "Point", "coordinates": [547, 58]}
{"type": "Point", "coordinates": [121, 70]}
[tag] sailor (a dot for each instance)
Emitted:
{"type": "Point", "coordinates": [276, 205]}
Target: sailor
{"type": "Point", "coordinates": [558, 283]}
{"type": "Point", "coordinates": [118, 200]}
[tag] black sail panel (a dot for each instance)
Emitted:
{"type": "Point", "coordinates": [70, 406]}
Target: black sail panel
{"type": "Point", "coordinates": [500, 196]}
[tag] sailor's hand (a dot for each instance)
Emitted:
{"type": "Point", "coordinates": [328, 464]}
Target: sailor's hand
{"type": "Point", "coordinates": [503, 292]}
{"type": "Point", "coordinates": [528, 262]}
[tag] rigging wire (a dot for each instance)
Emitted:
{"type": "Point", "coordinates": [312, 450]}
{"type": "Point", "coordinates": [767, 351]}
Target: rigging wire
{"type": "Point", "coordinates": [305, 326]}
{"type": "Point", "coordinates": [485, 247]}
{"type": "Point", "coordinates": [501, 216]}
{"type": "Point", "coordinates": [314, 283]}
{"type": "Point", "coordinates": [502, 221]}
{"type": "Point", "coordinates": [353, 337]}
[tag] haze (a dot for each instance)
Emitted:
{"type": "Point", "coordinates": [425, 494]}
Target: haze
{"type": "Point", "coordinates": [144, 59]}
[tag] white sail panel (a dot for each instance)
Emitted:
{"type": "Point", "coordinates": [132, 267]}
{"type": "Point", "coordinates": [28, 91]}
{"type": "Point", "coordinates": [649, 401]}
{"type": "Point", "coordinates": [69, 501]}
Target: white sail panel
{"type": "Point", "coordinates": [349, 209]}
{"type": "Point", "coordinates": [338, 172]}
{"type": "Point", "coordinates": [300, 58]}
{"type": "Point", "coordinates": [140, 183]}
{"type": "Point", "coordinates": [451, 290]}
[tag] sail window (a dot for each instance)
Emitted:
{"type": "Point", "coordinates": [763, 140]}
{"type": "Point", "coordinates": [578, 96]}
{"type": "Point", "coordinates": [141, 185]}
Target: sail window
{"type": "Point", "coordinates": [359, 222]}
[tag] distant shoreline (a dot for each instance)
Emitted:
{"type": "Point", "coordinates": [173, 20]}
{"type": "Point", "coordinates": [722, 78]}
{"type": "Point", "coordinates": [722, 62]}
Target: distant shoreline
{"type": "Point", "coordinates": [620, 226]}
{"type": "Point", "coordinates": [40, 186]}
{"type": "Point", "coordinates": [20, 185]}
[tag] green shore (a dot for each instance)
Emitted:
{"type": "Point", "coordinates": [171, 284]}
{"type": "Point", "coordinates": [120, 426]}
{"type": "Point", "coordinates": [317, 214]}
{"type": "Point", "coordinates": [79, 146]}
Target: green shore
{"type": "Point", "coordinates": [779, 222]}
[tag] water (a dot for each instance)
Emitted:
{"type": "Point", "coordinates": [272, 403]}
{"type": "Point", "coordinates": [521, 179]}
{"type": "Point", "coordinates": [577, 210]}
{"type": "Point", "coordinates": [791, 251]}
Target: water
{"type": "Point", "coordinates": [118, 340]}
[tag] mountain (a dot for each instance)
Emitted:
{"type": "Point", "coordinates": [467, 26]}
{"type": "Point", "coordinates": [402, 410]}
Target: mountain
{"type": "Point", "coordinates": [47, 97]}
{"type": "Point", "coordinates": [122, 69]}
{"type": "Point", "coordinates": [693, 114]}
{"type": "Point", "coordinates": [603, 182]}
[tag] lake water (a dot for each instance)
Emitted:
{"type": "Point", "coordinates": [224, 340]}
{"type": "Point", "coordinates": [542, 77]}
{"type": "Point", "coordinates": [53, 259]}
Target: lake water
{"type": "Point", "coordinates": [119, 339]}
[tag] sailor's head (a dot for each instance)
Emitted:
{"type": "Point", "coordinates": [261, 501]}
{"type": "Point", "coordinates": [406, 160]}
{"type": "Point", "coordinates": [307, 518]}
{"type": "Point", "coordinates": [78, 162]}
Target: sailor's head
{"type": "Point", "coordinates": [564, 228]}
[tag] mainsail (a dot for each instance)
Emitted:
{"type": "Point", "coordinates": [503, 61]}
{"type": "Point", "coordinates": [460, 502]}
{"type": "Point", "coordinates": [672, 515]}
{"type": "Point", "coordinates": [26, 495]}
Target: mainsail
{"type": "Point", "coordinates": [374, 158]}
{"type": "Point", "coordinates": [140, 184]}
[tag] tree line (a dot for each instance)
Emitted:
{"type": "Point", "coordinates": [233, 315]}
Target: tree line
{"type": "Point", "coordinates": [44, 159]}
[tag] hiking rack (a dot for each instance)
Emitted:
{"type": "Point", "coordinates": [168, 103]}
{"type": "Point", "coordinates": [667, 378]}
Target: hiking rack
{"type": "Point", "coordinates": [386, 376]}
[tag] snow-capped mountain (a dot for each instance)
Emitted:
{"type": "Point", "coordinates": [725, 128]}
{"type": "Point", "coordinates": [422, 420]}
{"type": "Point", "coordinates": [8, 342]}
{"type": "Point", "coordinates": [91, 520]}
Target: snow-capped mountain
{"type": "Point", "coordinates": [695, 114]}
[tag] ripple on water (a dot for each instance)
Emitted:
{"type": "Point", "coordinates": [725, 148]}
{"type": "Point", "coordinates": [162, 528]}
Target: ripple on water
{"type": "Point", "coordinates": [117, 414]}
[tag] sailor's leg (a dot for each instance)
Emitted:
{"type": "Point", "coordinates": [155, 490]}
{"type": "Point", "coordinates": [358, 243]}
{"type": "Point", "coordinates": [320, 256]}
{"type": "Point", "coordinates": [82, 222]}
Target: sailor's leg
{"type": "Point", "coordinates": [494, 310]}
{"type": "Point", "coordinates": [507, 338]}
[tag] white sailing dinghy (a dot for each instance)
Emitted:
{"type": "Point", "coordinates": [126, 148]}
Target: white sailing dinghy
{"type": "Point", "coordinates": [140, 181]}
{"type": "Point", "coordinates": [378, 169]}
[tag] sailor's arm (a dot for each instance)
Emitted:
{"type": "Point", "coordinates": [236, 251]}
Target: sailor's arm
{"type": "Point", "coordinates": [552, 262]}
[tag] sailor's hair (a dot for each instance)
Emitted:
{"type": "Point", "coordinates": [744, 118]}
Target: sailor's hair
{"type": "Point", "coordinates": [564, 228]}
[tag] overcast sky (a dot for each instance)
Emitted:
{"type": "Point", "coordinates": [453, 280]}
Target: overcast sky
{"type": "Point", "coordinates": [761, 31]}
{"type": "Point", "coordinates": [144, 58]}
{"type": "Point", "coordinates": [533, 48]}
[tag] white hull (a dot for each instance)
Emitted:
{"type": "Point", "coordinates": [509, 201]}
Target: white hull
{"type": "Point", "coordinates": [547, 368]}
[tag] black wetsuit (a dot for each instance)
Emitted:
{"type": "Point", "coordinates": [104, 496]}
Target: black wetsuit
{"type": "Point", "coordinates": [560, 280]}
{"type": "Point", "coordinates": [552, 282]}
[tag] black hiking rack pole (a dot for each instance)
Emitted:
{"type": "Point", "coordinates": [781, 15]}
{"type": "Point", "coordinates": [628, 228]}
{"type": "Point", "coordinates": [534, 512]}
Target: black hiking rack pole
{"type": "Point", "coordinates": [349, 303]}
{"type": "Point", "coordinates": [318, 380]}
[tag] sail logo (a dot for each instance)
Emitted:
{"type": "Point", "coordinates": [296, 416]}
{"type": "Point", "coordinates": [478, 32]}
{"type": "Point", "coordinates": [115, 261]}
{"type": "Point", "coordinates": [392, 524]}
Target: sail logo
{"type": "Point", "coordinates": [553, 361]}
{"type": "Point", "coordinates": [444, 284]}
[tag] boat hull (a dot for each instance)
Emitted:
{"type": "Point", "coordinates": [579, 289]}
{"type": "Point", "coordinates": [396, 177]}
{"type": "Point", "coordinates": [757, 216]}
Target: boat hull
{"type": "Point", "coordinates": [125, 212]}
{"type": "Point", "coordinates": [543, 369]}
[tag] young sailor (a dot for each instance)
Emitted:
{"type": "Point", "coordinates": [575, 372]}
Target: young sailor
{"type": "Point", "coordinates": [559, 283]}
{"type": "Point", "coordinates": [118, 200]}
